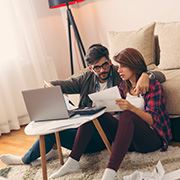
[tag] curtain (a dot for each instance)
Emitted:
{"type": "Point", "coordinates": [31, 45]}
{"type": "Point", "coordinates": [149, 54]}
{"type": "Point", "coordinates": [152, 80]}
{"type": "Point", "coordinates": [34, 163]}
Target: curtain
{"type": "Point", "coordinates": [24, 63]}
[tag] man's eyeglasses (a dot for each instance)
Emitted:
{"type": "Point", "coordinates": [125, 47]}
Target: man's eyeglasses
{"type": "Point", "coordinates": [105, 65]}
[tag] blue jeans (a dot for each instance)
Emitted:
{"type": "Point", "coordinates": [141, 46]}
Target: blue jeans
{"type": "Point", "coordinates": [67, 140]}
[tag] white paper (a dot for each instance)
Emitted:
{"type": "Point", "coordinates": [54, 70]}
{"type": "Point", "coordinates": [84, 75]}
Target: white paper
{"type": "Point", "coordinates": [68, 104]}
{"type": "Point", "coordinates": [157, 174]}
{"type": "Point", "coordinates": [107, 98]}
{"type": "Point", "coordinates": [47, 84]}
{"type": "Point", "coordinates": [174, 175]}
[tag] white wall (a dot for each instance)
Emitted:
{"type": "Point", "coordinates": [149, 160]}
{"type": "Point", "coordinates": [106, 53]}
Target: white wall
{"type": "Point", "coordinates": [94, 18]}
{"type": "Point", "coordinates": [53, 27]}
{"type": "Point", "coordinates": [51, 24]}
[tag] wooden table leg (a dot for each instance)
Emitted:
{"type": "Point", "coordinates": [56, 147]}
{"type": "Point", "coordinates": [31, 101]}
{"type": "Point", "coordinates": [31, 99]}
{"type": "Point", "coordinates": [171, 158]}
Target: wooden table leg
{"type": "Point", "coordinates": [102, 134]}
{"type": "Point", "coordinates": [43, 157]}
{"type": "Point", "coordinates": [58, 142]}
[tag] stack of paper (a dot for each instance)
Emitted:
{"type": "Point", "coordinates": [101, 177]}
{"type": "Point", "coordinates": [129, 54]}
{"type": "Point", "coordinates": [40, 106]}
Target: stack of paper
{"type": "Point", "coordinates": [107, 98]}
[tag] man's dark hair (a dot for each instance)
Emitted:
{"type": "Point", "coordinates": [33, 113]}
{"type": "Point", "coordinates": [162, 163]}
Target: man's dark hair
{"type": "Point", "coordinates": [95, 53]}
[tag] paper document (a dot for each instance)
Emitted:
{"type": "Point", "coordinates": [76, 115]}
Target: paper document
{"type": "Point", "coordinates": [69, 104]}
{"type": "Point", "coordinates": [157, 174]}
{"type": "Point", "coordinates": [47, 84]}
{"type": "Point", "coordinates": [107, 98]}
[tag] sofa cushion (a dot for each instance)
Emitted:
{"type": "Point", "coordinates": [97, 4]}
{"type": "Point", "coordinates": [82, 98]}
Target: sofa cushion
{"type": "Point", "coordinates": [171, 90]}
{"type": "Point", "coordinates": [142, 39]}
{"type": "Point", "coordinates": [169, 44]}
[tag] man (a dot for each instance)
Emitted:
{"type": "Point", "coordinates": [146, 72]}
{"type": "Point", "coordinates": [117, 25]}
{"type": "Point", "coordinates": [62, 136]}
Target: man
{"type": "Point", "coordinates": [100, 75]}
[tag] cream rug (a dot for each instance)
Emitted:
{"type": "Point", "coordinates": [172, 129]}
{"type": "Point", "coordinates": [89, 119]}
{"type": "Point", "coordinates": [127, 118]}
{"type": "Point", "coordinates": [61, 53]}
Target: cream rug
{"type": "Point", "coordinates": [92, 166]}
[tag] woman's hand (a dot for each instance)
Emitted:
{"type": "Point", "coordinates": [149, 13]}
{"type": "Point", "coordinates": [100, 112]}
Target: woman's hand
{"type": "Point", "coordinates": [124, 104]}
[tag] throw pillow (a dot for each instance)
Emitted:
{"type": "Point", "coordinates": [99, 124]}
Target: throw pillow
{"type": "Point", "coordinates": [169, 44]}
{"type": "Point", "coordinates": [142, 40]}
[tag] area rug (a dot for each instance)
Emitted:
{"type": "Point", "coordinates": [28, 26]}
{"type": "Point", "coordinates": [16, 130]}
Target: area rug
{"type": "Point", "coordinates": [92, 166]}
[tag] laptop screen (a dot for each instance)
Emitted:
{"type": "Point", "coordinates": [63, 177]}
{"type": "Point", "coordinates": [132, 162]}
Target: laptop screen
{"type": "Point", "coordinates": [45, 104]}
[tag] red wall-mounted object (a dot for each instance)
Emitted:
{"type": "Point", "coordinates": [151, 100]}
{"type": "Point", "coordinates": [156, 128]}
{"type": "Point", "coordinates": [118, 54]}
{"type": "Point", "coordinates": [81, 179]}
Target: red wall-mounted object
{"type": "Point", "coordinates": [60, 3]}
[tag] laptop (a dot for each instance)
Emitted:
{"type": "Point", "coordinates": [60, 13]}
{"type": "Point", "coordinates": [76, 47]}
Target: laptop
{"type": "Point", "coordinates": [45, 104]}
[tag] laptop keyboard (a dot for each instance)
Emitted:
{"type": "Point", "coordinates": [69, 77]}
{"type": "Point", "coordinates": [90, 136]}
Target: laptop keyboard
{"type": "Point", "coordinates": [86, 111]}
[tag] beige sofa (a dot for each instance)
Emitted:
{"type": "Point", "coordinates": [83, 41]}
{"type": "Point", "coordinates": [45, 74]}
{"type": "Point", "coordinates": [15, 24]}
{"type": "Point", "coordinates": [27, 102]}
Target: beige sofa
{"type": "Point", "coordinates": [160, 45]}
{"type": "Point", "coordinates": [167, 50]}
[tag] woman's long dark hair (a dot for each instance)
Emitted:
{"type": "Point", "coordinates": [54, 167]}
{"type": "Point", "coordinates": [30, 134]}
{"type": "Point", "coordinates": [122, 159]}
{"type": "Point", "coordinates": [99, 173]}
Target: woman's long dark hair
{"type": "Point", "coordinates": [134, 60]}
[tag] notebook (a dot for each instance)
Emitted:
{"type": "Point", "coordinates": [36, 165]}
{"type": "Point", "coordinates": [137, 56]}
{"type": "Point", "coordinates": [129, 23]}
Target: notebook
{"type": "Point", "coordinates": [45, 104]}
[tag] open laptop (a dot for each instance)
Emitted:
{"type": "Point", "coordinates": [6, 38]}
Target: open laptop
{"type": "Point", "coordinates": [46, 104]}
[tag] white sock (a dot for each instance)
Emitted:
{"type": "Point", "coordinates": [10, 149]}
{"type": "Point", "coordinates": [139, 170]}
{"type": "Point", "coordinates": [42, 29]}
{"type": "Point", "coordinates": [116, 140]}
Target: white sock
{"type": "Point", "coordinates": [109, 174]}
{"type": "Point", "coordinates": [51, 154]}
{"type": "Point", "coordinates": [10, 159]}
{"type": "Point", "coordinates": [71, 165]}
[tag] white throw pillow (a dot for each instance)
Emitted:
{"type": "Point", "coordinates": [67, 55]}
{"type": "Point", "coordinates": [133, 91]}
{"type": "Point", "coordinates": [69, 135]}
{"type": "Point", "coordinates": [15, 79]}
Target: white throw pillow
{"type": "Point", "coordinates": [142, 40]}
{"type": "Point", "coordinates": [169, 44]}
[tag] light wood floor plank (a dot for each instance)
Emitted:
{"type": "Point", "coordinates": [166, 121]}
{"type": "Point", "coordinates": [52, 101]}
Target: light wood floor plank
{"type": "Point", "coordinates": [16, 142]}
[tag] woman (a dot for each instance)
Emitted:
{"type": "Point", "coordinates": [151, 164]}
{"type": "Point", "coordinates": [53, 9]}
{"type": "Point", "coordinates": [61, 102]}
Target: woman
{"type": "Point", "coordinates": [143, 125]}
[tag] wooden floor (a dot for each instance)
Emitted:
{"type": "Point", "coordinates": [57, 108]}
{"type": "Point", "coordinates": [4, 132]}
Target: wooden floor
{"type": "Point", "coordinates": [15, 142]}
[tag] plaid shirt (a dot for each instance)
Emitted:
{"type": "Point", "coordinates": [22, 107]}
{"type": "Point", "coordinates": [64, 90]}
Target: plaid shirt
{"type": "Point", "coordinates": [155, 105]}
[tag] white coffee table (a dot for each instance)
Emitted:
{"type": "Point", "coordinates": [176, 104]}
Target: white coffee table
{"type": "Point", "coordinates": [47, 127]}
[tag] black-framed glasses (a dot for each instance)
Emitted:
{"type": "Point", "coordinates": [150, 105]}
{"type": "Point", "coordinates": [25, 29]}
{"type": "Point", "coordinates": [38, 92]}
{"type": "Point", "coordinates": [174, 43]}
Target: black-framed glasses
{"type": "Point", "coordinates": [105, 65]}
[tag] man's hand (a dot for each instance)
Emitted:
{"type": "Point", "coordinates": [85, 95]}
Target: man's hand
{"type": "Point", "coordinates": [124, 104]}
{"type": "Point", "coordinates": [142, 85]}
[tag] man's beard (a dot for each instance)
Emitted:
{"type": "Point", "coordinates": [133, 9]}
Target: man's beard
{"type": "Point", "coordinates": [104, 78]}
